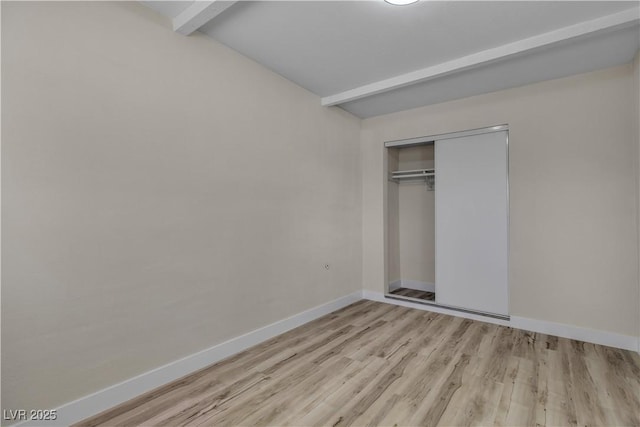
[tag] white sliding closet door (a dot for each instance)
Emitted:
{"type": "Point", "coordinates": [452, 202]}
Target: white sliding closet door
{"type": "Point", "coordinates": [471, 222]}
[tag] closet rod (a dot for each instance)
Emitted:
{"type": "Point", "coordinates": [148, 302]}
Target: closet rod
{"type": "Point", "coordinates": [414, 170]}
{"type": "Point", "coordinates": [416, 175]}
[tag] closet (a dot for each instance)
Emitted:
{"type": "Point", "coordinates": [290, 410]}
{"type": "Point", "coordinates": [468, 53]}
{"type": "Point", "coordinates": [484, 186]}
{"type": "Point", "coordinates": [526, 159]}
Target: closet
{"type": "Point", "coordinates": [447, 220]}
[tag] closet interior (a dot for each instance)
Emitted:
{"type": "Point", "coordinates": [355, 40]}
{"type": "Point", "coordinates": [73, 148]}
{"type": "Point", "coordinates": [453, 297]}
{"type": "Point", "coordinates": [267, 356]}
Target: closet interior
{"type": "Point", "coordinates": [411, 221]}
{"type": "Point", "coordinates": [447, 220]}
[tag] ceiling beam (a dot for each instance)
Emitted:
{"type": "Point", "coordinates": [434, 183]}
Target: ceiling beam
{"type": "Point", "coordinates": [198, 14]}
{"type": "Point", "coordinates": [618, 20]}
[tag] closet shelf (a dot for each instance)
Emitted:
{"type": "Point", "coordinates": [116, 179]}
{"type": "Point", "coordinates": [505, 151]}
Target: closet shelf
{"type": "Point", "coordinates": [412, 174]}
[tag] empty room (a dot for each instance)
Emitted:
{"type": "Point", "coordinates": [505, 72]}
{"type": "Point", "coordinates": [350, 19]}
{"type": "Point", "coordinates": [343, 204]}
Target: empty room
{"type": "Point", "coordinates": [320, 213]}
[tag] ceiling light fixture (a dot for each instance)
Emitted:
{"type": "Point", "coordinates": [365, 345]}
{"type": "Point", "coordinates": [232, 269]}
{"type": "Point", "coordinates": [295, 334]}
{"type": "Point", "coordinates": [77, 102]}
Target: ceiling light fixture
{"type": "Point", "coordinates": [400, 2]}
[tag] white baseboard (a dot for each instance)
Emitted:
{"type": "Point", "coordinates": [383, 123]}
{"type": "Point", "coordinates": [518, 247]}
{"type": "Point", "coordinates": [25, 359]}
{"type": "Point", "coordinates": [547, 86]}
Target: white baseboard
{"type": "Point", "coordinates": [594, 336]}
{"type": "Point", "coordinates": [109, 397]}
{"type": "Point", "coordinates": [413, 284]}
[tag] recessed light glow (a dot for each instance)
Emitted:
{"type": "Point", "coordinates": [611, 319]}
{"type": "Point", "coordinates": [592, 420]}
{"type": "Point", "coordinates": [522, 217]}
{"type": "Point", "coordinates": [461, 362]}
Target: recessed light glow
{"type": "Point", "coordinates": [400, 2]}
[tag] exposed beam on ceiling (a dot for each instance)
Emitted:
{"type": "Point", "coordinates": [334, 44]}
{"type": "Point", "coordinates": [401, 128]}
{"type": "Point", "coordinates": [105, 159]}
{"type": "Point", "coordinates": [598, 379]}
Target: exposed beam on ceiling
{"type": "Point", "coordinates": [198, 14]}
{"type": "Point", "coordinates": [618, 20]}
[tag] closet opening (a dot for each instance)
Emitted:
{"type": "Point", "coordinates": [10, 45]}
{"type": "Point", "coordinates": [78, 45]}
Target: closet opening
{"type": "Point", "coordinates": [447, 220]}
{"type": "Point", "coordinates": [411, 221]}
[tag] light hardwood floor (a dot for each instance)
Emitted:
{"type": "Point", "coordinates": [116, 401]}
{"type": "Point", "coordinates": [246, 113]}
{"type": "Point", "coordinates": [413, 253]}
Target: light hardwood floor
{"type": "Point", "coordinates": [379, 364]}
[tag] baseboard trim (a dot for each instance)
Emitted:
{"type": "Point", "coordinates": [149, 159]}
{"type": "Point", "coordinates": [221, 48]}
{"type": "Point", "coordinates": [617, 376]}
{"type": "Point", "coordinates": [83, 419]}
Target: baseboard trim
{"type": "Point", "coordinates": [109, 397]}
{"type": "Point", "coordinates": [413, 284]}
{"type": "Point", "coordinates": [611, 339]}
{"type": "Point", "coordinates": [595, 336]}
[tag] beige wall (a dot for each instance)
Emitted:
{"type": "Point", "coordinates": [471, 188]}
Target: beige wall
{"type": "Point", "coordinates": [161, 194]}
{"type": "Point", "coordinates": [573, 240]}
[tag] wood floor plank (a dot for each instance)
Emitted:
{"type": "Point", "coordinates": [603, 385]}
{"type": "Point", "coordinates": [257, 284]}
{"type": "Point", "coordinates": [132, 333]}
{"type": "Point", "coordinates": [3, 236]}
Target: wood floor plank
{"type": "Point", "coordinates": [420, 392]}
{"type": "Point", "coordinates": [270, 413]}
{"type": "Point", "coordinates": [375, 364]}
{"type": "Point", "coordinates": [475, 403]}
{"type": "Point", "coordinates": [349, 413]}
{"type": "Point", "coordinates": [451, 384]}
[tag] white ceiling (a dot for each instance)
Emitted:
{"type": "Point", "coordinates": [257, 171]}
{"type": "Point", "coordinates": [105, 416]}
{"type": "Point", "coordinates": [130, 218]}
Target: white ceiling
{"type": "Point", "coordinates": [330, 47]}
{"type": "Point", "coordinates": [170, 9]}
